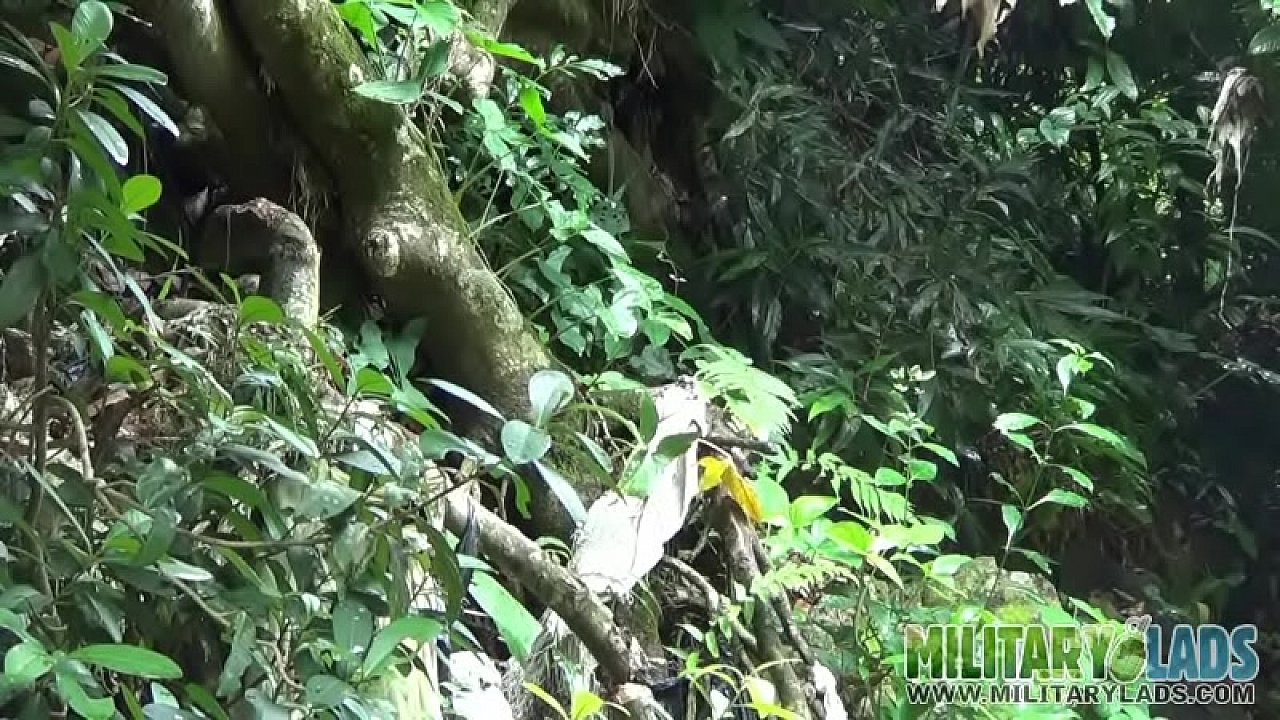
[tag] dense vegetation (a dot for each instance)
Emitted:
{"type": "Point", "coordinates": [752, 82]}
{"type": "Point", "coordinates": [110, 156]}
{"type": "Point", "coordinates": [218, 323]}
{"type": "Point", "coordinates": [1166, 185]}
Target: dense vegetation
{"type": "Point", "coordinates": [537, 358]}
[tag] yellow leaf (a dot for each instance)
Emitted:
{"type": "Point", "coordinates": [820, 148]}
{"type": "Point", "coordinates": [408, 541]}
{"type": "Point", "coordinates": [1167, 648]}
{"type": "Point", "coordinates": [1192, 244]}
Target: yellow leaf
{"type": "Point", "coordinates": [712, 472]}
{"type": "Point", "coordinates": [716, 470]}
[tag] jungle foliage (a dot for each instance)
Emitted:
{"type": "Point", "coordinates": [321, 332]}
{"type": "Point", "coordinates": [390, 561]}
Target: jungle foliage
{"type": "Point", "coordinates": [980, 294]}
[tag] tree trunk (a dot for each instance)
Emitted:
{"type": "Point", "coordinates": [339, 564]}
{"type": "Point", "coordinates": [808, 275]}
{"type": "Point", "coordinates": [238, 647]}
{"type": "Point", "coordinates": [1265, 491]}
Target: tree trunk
{"type": "Point", "coordinates": [397, 213]}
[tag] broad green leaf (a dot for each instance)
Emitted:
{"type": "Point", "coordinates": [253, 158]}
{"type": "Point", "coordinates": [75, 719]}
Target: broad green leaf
{"type": "Point", "coordinates": [417, 629]}
{"type": "Point", "coordinates": [851, 535]}
{"type": "Point", "coordinates": [507, 50]}
{"type": "Point", "coordinates": [395, 92]}
{"type": "Point", "coordinates": [26, 662]}
{"type": "Point", "coordinates": [922, 470]}
{"type": "Point", "coordinates": [523, 443]}
{"type": "Point", "coordinates": [69, 689]}
{"type": "Point", "coordinates": [1058, 496]}
{"type": "Point", "coordinates": [605, 242]}
{"type": "Point", "coordinates": [1121, 76]}
{"type": "Point", "coordinates": [888, 477]}
{"type": "Point", "coordinates": [775, 506]}
{"type": "Point", "coordinates": [515, 624]}
{"type": "Point", "coordinates": [947, 565]}
{"type": "Point", "coordinates": [20, 289]}
{"type": "Point", "coordinates": [807, 508]}
{"type": "Point", "coordinates": [129, 660]}
{"type": "Point", "coordinates": [326, 691]}
{"type": "Point", "coordinates": [1013, 422]}
{"type": "Point", "coordinates": [943, 452]}
{"type": "Point", "coordinates": [257, 308]}
{"type": "Point", "coordinates": [549, 392]}
{"type": "Point", "coordinates": [91, 24]}
{"type": "Point", "coordinates": [531, 101]}
{"type": "Point", "coordinates": [352, 627]}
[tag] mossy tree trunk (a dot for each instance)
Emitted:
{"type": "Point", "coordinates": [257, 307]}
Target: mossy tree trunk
{"type": "Point", "coordinates": [389, 192]}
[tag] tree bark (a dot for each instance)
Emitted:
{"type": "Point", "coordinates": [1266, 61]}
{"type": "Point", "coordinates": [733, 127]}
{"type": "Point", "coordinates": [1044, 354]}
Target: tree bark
{"type": "Point", "coordinates": [398, 212]}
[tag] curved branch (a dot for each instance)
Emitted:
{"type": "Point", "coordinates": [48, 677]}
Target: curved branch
{"type": "Point", "coordinates": [262, 237]}
{"type": "Point", "coordinates": [517, 556]}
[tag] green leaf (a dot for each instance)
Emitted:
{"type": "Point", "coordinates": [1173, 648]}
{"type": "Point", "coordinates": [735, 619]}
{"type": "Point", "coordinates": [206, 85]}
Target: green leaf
{"type": "Point", "coordinates": [585, 704]}
{"type": "Point", "coordinates": [1106, 24]}
{"type": "Point", "coordinates": [605, 242]}
{"type": "Point", "coordinates": [1079, 477]}
{"type": "Point", "coordinates": [852, 536]}
{"type": "Point", "coordinates": [326, 691]}
{"type": "Point", "coordinates": [468, 397]}
{"type": "Point", "coordinates": [1266, 41]}
{"type": "Point", "coordinates": [129, 71]}
{"type": "Point", "coordinates": [204, 700]}
{"type": "Point", "coordinates": [1012, 517]}
{"type": "Point", "coordinates": [531, 101]}
{"type": "Point", "coordinates": [1058, 496]}
{"type": "Point", "coordinates": [257, 308]}
{"type": "Point", "coordinates": [549, 392]}
{"type": "Point", "coordinates": [441, 16]}
{"type": "Point", "coordinates": [91, 25]}
{"type": "Point", "coordinates": [129, 660]}
{"type": "Point", "coordinates": [523, 443]}
{"type": "Point", "coordinates": [1013, 422]}
{"type": "Point", "coordinates": [418, 629]}
{"type": "Point", "coordinates": [26, 662]}
{"type": "Point", "coordinates": [352, 627]}
{"type": "Point", "coordinates": [150, 108]}
{"type": "Point", "coordinates": [106, 134]}
{"type": "Point", "coordinates": [239, 658]}
{"type": "Point", "coordinates": [20, 289]}
{"type": "Point", "coordinates": [563, 490]}
{"type": "Point", "coordinates": [547, 698]}
{"type": "Point", "coordinates": [947, 565]}
{"type": "Point", "coordinates": [394, 92]}
{"type": "Point", "coordinates": [943, 452]}
{"type": "Point", "coordinates": [516, 625]}
{"type": "Point", "coordinates": [140, 192]}
{"type": "Point", "coordinates": [1121, 76]}
{"type": "Point", "coordinates": [597, 453]}
{"type": "Point", "coordinates": [1111, 438]}
{"type": "Point", "coordinates": [922, 470]}
{"type": "Point", "coordinates": [69, 689]}
{"type": "Point", "coordinates": [507, 50]}
{"type": "Point", "coordinates": [807, 508]}
{"type": "Point", "coordinates": [178, 570]}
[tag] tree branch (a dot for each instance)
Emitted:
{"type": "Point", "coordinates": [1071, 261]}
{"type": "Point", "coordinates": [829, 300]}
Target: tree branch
{"type": "Point", "coordinates": [517, 556]}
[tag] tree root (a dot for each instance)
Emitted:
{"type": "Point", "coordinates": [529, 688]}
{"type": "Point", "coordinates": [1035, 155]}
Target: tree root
{"type": "Point", "coordinates": [740, 540]}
